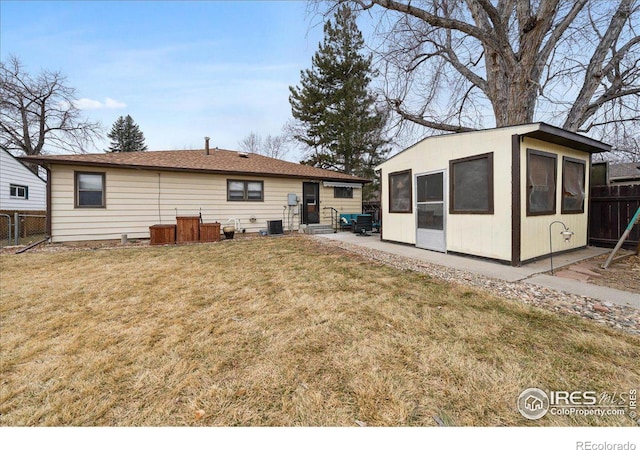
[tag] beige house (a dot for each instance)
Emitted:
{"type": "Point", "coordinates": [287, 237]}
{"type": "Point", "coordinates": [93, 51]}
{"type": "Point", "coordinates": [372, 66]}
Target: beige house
{"type": "Point", "coordinates": [103, 196]}
{"type": "Point", "coordinates": [493, 193]}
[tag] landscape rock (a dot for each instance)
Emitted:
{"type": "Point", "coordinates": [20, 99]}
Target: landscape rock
{"type": "Point", "coordinates": [616, 316]}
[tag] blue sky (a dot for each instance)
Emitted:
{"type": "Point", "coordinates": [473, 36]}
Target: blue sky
{"type": "Point", "coordinates": [182, 70]}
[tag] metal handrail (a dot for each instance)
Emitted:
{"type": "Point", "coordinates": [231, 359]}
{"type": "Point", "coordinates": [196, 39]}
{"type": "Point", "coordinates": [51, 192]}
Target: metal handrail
{"type": "Point", "coordinates": [334, 219]}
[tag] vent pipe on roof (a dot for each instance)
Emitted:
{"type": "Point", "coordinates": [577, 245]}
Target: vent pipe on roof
{"type": "Point", "coordinates": [206, 145]}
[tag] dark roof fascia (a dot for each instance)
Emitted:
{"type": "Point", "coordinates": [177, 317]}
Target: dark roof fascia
{"type": "Point", "coordinates": [625, 178]}
{"type": "Point", "coordinates": [190, 170]}
{"type": "Point", "coordinates": [555, 135]}
{"type": "Point", "coordinates": [19, 159]}
{"type": "Point", "coordinates": [545, 132]}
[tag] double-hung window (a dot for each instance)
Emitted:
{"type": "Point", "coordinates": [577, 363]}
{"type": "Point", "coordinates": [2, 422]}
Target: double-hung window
{"type": "Point", "coordinates": [245, 191]}
{"type": "Point", "coordinates": [90, 190]}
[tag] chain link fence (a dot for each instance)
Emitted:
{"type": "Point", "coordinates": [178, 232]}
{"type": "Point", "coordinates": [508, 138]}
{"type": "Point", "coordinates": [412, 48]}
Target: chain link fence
{"type": "Point", "coordinates": [22, 228]}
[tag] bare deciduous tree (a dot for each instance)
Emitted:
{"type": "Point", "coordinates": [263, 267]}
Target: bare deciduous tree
{"type": "Point", "coordinates": [251, 143]}
{"type": "Point", "coordinates": [275, 146]}
{"type": "Point", "coordinates": [575, 64]}
{"type": "Point", "coordinates": [271, 146]}
{"type": "Point", "coordinates": [36, 113]}
{"type": "Point", "coordinates": [625, 139]}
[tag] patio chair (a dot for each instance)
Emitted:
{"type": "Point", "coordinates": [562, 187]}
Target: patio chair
{"type": "Point", "coordinates": [344, 223]}
{"type": "Point", "coordinates": [362, 224]}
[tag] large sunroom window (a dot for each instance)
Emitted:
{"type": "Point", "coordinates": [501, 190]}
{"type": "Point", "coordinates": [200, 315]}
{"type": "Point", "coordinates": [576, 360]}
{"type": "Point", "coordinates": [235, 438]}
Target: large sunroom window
{"type": "Point", "coordinates": [400, 192]}
{"type": "Point", "coordinates": [573, 189]}
{"type": "Point", "coordinates": [541, 183]}
{"type": "Point", "coordinates": [471, 185]}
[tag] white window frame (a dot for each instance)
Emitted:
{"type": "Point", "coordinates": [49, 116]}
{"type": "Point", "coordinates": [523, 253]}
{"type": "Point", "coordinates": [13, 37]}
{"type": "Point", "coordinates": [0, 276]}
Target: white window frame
{"type": "Point", "coordinates": [14, 191]}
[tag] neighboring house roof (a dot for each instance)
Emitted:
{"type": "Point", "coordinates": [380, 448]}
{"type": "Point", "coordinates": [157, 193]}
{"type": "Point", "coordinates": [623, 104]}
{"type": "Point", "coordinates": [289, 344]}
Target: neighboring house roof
{"type": "Point", "coordinates": [624, 171]}
{"type": "Point", "coordinates": [538, 130]}
{"type": "Point", "coordinates": [217, 161]}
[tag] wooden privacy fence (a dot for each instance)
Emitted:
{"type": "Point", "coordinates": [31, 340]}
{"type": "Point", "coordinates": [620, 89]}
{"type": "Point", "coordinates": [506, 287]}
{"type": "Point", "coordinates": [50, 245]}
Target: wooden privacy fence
{"type": "Point", "coordinates": [612, 207]}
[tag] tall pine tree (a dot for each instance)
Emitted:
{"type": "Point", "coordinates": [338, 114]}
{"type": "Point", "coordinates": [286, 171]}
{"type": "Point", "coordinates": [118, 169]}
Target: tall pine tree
{"type": "Point", "coordinates": [336, 116]}
{"type": "Point", "coordinates": [126, 136]}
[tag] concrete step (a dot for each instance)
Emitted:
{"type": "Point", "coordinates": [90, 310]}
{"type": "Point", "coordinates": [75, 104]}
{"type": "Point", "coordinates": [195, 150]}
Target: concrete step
{"type": "Point", "coordinates": [318, 229]}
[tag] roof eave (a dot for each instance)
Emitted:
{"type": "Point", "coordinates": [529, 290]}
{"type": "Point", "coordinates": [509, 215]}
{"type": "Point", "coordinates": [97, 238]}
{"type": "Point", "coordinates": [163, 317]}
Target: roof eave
{"type": "Point", "coordinates": [555, 135]}
{"type": "Point", "coordinates": [50, 161]}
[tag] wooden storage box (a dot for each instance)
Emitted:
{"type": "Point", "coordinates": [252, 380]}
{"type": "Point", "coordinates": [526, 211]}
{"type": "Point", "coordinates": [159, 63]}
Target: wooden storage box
{"type": "Point", "coordinates": [210, 232]}
{"type": "Point", "coordinates": [188, 229]}
{"type": "Point", "coordinates": [162, 234]}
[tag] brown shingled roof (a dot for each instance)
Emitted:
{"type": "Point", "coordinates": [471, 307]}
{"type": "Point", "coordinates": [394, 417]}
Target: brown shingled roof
{"type": "Point", "coordinates": [624, 171]}
{"type": "Point", "coordinates": [218, 161]}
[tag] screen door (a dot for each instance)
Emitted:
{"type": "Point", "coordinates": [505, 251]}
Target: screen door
{"type": "Point", "coordinates": [430, 208]}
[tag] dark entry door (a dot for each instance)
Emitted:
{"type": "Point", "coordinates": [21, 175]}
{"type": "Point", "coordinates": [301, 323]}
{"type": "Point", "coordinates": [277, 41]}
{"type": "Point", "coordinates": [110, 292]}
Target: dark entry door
{"type": "Point", "coordinates": [310, 203]}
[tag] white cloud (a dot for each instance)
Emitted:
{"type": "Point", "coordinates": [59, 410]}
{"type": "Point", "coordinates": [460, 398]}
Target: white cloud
{"type": "Point", "coordinates": [109, 103]}
{"type": "Point", "coordinates": [113, 104]}
{"type": "Point", "coordinates": [87, 103]}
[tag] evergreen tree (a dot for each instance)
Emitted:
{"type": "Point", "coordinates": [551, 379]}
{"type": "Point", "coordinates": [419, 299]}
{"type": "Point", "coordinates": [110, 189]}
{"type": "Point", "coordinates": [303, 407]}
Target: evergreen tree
{"type": "Point", "coordinates": [336, 116]}
{"type": "Point", "coordinates": [126, 136]}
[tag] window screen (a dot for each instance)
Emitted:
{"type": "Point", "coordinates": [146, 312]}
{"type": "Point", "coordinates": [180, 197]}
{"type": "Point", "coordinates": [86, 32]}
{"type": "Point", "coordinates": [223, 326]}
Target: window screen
{"type": "Point", "coordinates": [471, 185]}
{"type": "Point", "coordinates": [431, 216]}
{"type": "Point", "coordinates": [572, 186]}
{"type": "Point", "coordinates": [541, 183]}
{"type": "Point", "coordinates": [430, 188]}
{"type": "Point", "coordinates": [400, 192]}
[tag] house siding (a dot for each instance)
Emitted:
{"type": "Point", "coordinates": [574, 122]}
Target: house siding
{"type": "Point", "coordinates": [489, 235]}
{"type": "Point", "coordinates": [14, 172]}
{"type": "Point", "coordinates": [535, 229]}
{"type": "Point", "coordinates": [462, 230]}
{"type": "Point", "coordinates": [137, 199]}
{"type": "Point", "coordinates": [342, 205]}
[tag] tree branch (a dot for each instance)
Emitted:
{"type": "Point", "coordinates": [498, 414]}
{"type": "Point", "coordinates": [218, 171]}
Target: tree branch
{"type": "Point", "coordinates": [436, 21]}
{"type": "Point", "coordinates": [582, 109]}
{"type": "Point", "coordinates": [428, 123]}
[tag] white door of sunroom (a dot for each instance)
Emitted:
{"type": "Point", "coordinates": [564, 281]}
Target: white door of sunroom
{"type": "Point", "coordinates": [430, 211]}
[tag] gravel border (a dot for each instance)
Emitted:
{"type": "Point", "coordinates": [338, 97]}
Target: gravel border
{"type": "Point", "coordinates": [619, 317]}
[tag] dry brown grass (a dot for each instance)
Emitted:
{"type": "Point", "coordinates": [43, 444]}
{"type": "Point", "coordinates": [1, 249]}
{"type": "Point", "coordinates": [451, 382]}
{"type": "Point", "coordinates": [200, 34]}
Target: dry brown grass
{"type": "Point", "coordinates": [279, 332]}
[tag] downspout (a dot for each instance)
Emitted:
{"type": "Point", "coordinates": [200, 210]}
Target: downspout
{"type": "Point", "coordinates": [378, 173]}
{"type": "Point", "coordinates": [49, 181]}
{"type": "Point", "coordinates": [587, 195]}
